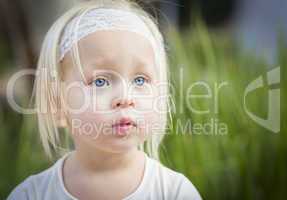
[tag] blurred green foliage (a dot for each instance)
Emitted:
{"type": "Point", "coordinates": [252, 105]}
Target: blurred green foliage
{"type": "Point", "coordinates": [247, 162]}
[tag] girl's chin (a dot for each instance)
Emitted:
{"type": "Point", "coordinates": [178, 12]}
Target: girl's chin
{"type": "Point", "coordinates": [115, 144]}
{"type": "Point", "coordinates": [120, 144]}
{"type": "Point", "coordinates": [117, 148]}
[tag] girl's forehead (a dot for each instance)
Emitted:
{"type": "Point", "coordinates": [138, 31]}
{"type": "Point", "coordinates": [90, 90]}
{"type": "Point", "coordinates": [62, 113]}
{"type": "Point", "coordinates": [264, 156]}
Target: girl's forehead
{"type": "Point", "coordinates": [116, 48]}
{"type": "Point", "coordinates": [116, 51]}
{"type": "Point", "coordinates": [110, 42]}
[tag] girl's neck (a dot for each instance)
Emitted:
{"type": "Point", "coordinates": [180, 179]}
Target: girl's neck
{"type": "Point", "coordinates": [97, 161]}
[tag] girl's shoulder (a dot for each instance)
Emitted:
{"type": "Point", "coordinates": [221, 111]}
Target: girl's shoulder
{"type": "Point", "coordinates": [171, 183]}
{"type": "Point", "coordinates": [34, 186]}
{"type": "Point", "coordinates": [21, 191]}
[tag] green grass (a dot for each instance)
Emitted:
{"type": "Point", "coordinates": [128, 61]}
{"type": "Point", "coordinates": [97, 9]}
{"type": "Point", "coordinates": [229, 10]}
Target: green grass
{"type": "Point", "coordinates": [248, 162]}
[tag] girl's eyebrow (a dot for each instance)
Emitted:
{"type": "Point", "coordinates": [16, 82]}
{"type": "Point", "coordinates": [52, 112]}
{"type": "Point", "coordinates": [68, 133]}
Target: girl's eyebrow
{"type": "Point", "coordinates": [109, 64]}
{"type": "Point", "coordinates": [102, 62]}
{"type": "Point", "coordinates": [145, 68]}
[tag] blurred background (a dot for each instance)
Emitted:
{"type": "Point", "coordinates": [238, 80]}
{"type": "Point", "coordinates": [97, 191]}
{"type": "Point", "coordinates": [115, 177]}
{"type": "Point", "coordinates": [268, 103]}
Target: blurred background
{"type": "Point", "coordinates": [229, 139]}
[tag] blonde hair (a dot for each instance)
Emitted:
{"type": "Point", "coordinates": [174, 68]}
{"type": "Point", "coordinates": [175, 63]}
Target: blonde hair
{"type": "Point", "coordinates": [47, 88]}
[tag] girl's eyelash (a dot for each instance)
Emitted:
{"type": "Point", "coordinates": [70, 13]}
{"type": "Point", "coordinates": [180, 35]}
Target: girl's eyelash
{"type": "Point", "coordinates": [144, 76]}
{"type": "Point", "coordinates": [100, 77]}
{"type": "Point", "coordinates": [142, 81]}
{"type": "Point", "coordinates": [147, 79]}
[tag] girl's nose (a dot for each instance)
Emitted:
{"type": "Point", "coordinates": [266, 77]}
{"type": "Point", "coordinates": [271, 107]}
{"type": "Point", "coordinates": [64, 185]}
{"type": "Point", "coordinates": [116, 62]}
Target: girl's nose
{"type": "Point", "coordinates": [123, 103]}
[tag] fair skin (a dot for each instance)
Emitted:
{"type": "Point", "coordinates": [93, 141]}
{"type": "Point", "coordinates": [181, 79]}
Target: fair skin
{"type": "Point", "coordinates": [109, 166]}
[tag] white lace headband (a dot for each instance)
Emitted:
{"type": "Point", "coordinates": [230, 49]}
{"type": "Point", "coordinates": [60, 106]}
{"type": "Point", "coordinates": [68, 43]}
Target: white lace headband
{"type": "Point", "coordinates": [102, 19]}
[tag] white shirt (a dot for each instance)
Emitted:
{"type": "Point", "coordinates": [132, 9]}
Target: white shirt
{"type": "Point", "coordinates": [158, 183]}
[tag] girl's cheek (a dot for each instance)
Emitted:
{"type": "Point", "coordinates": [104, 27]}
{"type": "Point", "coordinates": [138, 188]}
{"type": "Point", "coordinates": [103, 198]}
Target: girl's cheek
{"type": "Point", "coordinates": [89, 124]}
{"type": "Point", "coordinates": [101, 102]}
{"type": "Point", "coordinates": [81, 99]}
{"type": "Point", "coordinates": [143, 105]}
{"type": "Point", "coordinates": [76, 98]}
{"type": "Point", "coordinates": [149, 104]}
{"type": "Point", "coordinates": [146, 102]}
{"type": "Point", "coordinates": [87, 114]}
{"type": "Point", "coordinates": [149, 123]}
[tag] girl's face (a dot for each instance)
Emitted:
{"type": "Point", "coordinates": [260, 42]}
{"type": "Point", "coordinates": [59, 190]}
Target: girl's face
{"type": "Point", "coordinates": [116, 105]}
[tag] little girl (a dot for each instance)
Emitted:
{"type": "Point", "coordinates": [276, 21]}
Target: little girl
{"type": "Point", "coordinates": [102, 75]}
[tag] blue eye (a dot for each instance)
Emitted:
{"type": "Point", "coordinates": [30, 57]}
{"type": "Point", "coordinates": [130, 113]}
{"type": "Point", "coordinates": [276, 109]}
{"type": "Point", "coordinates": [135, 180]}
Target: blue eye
{"type": "Point", "coordinates": [140, 80]}
{"type": "Point", "coordinates": [100, 82]}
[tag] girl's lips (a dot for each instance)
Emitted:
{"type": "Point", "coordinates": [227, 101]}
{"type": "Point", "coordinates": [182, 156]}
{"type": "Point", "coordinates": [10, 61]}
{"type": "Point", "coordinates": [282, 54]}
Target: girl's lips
{"type": "Point", "coordinates": [123, 125]}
